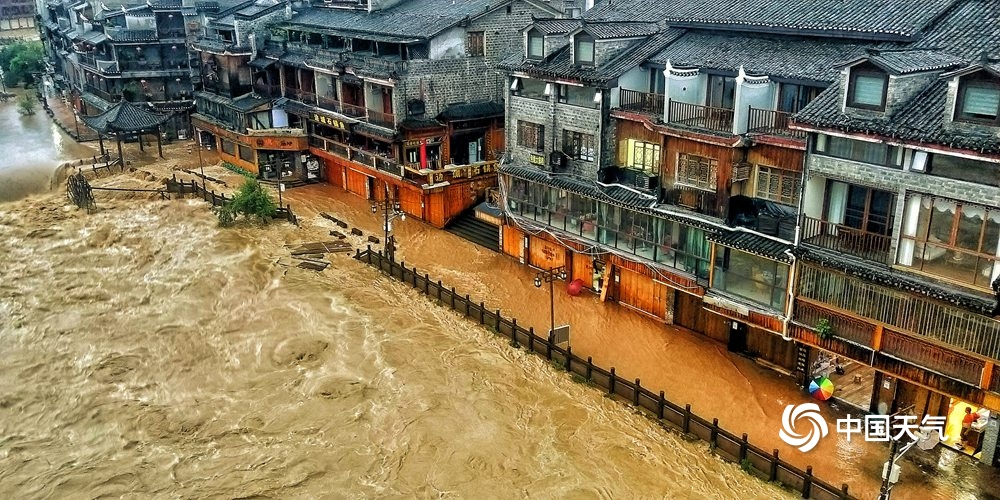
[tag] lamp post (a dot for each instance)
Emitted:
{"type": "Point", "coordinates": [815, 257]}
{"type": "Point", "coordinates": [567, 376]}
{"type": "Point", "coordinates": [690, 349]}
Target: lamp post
{"type": "Point", "coordinates": [549, 277]}
{"type": "Point", "coordinates": [76, 123]}
{"type": "Point", "coordinates": [201, 163]}
{"type": "Point", "coordinates": [391, 210]}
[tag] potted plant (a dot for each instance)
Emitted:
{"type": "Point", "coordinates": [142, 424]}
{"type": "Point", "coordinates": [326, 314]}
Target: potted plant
{"type": "Point", "coordinates": [824, 329]}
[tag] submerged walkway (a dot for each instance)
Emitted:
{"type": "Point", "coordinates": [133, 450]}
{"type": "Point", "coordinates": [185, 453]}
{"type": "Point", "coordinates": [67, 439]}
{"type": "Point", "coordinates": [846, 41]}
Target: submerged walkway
{"type": "Point", "coordinates": [744, 396]}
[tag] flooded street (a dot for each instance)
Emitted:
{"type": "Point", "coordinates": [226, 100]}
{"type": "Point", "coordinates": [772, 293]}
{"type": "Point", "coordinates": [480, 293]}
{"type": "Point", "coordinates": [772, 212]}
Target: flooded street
{"type": "Point", "coordinates": [33, 147]}
{"type": "Point", "coordinates": [147, 351]}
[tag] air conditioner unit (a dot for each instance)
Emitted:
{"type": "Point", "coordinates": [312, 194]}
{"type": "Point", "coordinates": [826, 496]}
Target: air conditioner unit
{"type": "Point", "coordinates": [557, 160]}
{"type": "Point", "coordinates": [648, 182]}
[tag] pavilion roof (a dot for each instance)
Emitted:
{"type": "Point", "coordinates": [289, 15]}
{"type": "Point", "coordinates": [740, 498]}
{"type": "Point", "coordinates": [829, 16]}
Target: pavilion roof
{"type": "Point", "coordinates": [125, 117]}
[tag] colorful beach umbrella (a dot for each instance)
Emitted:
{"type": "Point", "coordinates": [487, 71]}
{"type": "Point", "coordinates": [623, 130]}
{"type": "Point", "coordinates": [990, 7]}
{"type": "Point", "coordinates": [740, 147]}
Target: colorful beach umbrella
{"type": "Point", "coordinates": [821, 388]}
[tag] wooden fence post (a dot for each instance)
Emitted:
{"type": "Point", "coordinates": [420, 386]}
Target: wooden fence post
{"type": "Point", "coordinates": [548, 346]}
{"type": "Point", "coordinates": [713, 435]}
{"type": "Point", "coordinates": [482, 313]}
{"type": "Point", "coordinates": [807, 482]}
{"type": "Point", "coordinates": [513, 333]}
{"type": "Point", "coordinates": [498, 321]}
{"type": "Point", "coordinates": [468, 310]}
{"type": "Point", "coordinates": [660, 405]}
{"type": "Point", "coordinates": [686, 425]}
{"type": "Point", "coordinates": [427, 284]}
{"type": "Point", "coordinates": [772, 476]}
{"type": "Point", "coordinates": [452, 298]}
{"type": "Point", "coordinates": [743, 447]}
{"type": "Point", "coordinates": [531, 339]}
{"type": "Point", "coordinates": [635, 393]}
{"type": "Point", "coordinates": [414, 276]}
{"type": "Point", "coordinates": [590, 367]}
{"type": "Point", "coordinates": [611, 382]}
{"type": "Point", "coordinates": [843, 492]}
{"type": "Point", "coordinates": [439, 290]}
{"type": "Point", "coordinates": [569, 358]}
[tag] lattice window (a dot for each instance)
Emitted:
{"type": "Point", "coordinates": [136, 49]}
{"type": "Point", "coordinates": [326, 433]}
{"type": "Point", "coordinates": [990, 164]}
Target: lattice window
{"type": "Point", "coordinates": [778, 185]}
{"type": "Point", "coordinates": [697, 171]}
{"type": "Point", "coordinates": [578, 146]}
{"type": "Point", "coordinates": [530, 135]}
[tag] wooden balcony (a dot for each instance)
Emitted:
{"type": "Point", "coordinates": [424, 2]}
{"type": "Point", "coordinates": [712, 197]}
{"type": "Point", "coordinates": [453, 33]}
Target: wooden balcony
{"type": "Point", "coordinates": [267, 90]}
{"type": "Point", "coordinates": [698, 200]}
{"type": "Point", "coordinates": [643, 102]}
{"type": "Point", "coordinates": [933, 357]}
{"type": "Point", "coordinates": [771, 122]}
{"type": "Point", "coordinates": [849, 240]}
{"type": "Point", "coordinates": [845, 327]}
{"type": "Point", "coordinates": [111, 97]}
{"type": "Point", "coordinates": [703, 117]}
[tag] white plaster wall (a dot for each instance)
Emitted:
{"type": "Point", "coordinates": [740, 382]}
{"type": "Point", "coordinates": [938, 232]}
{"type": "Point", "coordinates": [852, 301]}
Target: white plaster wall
{"type": "Point", "coordinates": [449, 44]}
{"type": "Point", "coordinates": [634, 79]}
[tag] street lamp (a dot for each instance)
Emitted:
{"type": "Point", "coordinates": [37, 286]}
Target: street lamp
{"type": "Point", "coordinates": [548, 277]}
{"type": "Point", "coordinates": [392, 210]}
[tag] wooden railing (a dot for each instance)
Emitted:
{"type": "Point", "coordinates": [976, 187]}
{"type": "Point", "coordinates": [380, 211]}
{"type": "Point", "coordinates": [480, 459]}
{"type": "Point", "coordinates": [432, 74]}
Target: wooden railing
{"type": "Point", "coordinates": [771, 122]}
{"type": "Point", "coordinates": [645, 102]}
{"type": "Point", "coordinates": [842, 326]}
{"type": "Point", "coordinates": [929, 356]}
{"type": "Point", "coordinates": [705, 117]}
{"type": "Point", "coordinates": [267, 90]}
{"type": "Point", "coordinates": [727, 445]}
{"type": "Point", "coordinates": [849, 240]}
{"type": "Point", "coordinates": [103, 94]}
{"type": "Point", "coordinates": [698, 200]}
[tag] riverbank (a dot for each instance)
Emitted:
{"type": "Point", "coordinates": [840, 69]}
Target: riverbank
{"type": "Point", "coordinates": [147, 352]}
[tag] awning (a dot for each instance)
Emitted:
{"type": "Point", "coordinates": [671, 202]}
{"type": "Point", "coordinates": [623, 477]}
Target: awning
{"type": "Point", "coordinates": [753, 243]}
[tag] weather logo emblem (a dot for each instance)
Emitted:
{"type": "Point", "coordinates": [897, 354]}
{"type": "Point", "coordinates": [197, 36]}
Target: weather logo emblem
{"type": "Point", "coordinates": [802, 415]}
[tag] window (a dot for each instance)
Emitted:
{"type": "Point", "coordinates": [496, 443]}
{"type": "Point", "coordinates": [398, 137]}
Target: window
{"type": "Point", "coordinates": [963, 169]}
{"type": "Point", "coordinates": [858, 207]}
{"type": "Point", "coordinates": [583, 49]}
{"type": "Point", "coordinates": [697, 171]}
{"type": "Point", "coordinates": [576, 95]}
{"type": "Point", "coordinates": [529, 87]}
{"type": "Point", "coordinates": [536, 45]}
{"type": "Point", "coordinates": [530, 135]}
{"type": "Point", "coordinates": [778, 185]}
{"type": "Point", "coordinates": [950, 239]}
{"type": "Point", "coordinates": [578, 146]}
{"type": "Point", "coordinates": [228, 147]}
{"type": "Point", "coordinates": [867, 87]}
{"type": "Point", "coordinates": [246, 153]}
{"type": "Point", "coordinates": [792, 97]}
{"type": "Point", "coordinates": [978, 100]}
{"type": "Point", "coordinates": [721, 91]}
{"type": "Point", "coordinates": [754, 278]}
{"type": "Point", "coordinates": [867, 152]}
{"type": "Point", "coordinates": [475, 45]}
{"type": "Point", "coordinates": [643, 156]}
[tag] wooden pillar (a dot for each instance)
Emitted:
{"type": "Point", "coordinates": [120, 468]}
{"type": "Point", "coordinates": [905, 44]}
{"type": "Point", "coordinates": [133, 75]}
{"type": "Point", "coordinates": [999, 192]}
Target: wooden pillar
{"type": "Point", "coordinates": [100, 142]}
{"type": "Point", "coordinates": [984, 381]}
{"type": "Point", "coordinates": [139, 135]}
{"type": "Point", "coordinates": [877, 338]}
{"type": "Point", "coordinates": [121, 157]}
{"type": "Point", "coordinates": [159, 144]}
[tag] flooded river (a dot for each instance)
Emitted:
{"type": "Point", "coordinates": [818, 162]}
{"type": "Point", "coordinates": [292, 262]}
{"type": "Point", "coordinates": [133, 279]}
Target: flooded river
{"type": "Point", "coordinates": [147, 351]}
{"type": "Point", "coordinates": [32, 148]}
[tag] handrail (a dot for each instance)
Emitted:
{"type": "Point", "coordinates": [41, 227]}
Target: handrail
{"type": "Point", "coordinates": [772, 122]}
{"type": "Point", "coordinates": [696, 115]}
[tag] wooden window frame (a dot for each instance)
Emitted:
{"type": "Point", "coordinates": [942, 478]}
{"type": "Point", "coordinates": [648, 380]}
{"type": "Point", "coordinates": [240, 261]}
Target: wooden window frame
{"type": "Point", "coordinates": [531, 135]}
{"type": "Point", "coordinates": [683, 177]}
{"type": "Point", "coordinates": [867, 70]}
{"type": "Point", "coordinates": [475, 44]}
{"type": "Point", "coordinates": [652, 148]}
{"type": "Point", "coordinates": [579, 146]}
{"type": "Point", "coordinates": [963, 86]}
{"type": "Point", "coordinates": [534, 33]}
{"type": "Point", "coordinates": [583, 37]}
{"type": "Point", "coordinates": [784, 176]}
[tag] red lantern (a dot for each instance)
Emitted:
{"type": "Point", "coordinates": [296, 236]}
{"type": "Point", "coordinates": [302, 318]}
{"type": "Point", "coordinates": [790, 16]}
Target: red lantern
{"type": "Point", "coordinates": [575, 287]}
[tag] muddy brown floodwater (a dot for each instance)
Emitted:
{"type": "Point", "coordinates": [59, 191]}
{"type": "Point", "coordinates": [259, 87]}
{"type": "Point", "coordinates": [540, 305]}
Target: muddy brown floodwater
{"type": "Point", "coordinates": [146, 352]}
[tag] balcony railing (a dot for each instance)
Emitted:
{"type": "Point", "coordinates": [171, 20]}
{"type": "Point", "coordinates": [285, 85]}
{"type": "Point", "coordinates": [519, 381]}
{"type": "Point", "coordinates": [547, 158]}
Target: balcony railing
{"type": "Point", "coordinates": [387, 120]}
{"type": "Point", "coordinates": [848, 240]}
{"type": "Point", "coordinates": [843, 326]}
{"type": "Point", "coordinates": [644, 102]}
{"type": "Point", "coordinates": [267, 90]}
{"type": "Point", "coordinates": [103, 94]}
{"type": "Point", "coordinates": [933, 357]}
{"type": "Point", "coordinates": [771, 122]}
{"type": "Point", "coordinates": [106, 67]}
{"type": "Point", "coordinates": [350, 153]}
{"type": "Point", "coordinates": [703, 202]}
{"type": "Point", "coordinates": [705, 117]}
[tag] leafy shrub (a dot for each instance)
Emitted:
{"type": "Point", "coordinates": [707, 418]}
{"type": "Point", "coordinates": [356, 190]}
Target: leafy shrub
{"type": "Point", "coordinates": [252, 202]}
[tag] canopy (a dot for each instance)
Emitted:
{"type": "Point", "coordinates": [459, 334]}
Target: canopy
{"type": "Point", "coordinates": [125, 117]}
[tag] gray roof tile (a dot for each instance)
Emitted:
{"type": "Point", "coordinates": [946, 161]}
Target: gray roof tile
{"type": "Point", "coordinates": [603, 30]}
{"type": "Point", "coordinates": [753, 243]}
{"type": "Point", "coordinates": [901, 62]}
{"type": "Point", "coordinates": [772, 55]}
{"type": "Point", "coordinates": [124, 117]}
{"type": "Point", "coordinates": [413, 18]}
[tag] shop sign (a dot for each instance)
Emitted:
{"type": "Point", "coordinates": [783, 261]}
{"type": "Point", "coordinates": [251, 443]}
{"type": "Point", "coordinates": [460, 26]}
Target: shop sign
{"type": "Point", "coordinates": [536, 160]}
{"type": "Point", "coordinates": [330, 122]}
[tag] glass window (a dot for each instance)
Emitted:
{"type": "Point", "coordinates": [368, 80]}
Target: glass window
{"type": "Point", "coordinates": [778, 185]}
{"type": "Point", "coordinates": [578, 146]}
{"type": "Point", "coordinates": [530, 135]}
{"type": "Point", "coordinates": [536, 45]}
{"type": "Point", "coordinates": [697, 171]}
{"type": "Point", "coordinates": [868, 152]}
{"type": "Point", "coordinates": [751, 277]}
{"type": "Point", "coordinates": [246, 153]}
{"type": "Point", "coordinates": [964, 169]}
{"type": "Point", "coordinates": [950, 239]}
{"type": "Point", "coordinates": [721, 91]}
{"type": "Point", "coordinates": [229, 147]}
{"type": "Point", "coordinates": [643, 156]}
{"type": "Point", "coordinates": [867, 87]}
{"type": "Point", "coordinates": [584, 49]}
{"type": "Point", "coordinates": [978, 99]}
{"type": "Point", "coordinates": [529, 87]}
{"type": "Point", "coordinates": [792, 97]}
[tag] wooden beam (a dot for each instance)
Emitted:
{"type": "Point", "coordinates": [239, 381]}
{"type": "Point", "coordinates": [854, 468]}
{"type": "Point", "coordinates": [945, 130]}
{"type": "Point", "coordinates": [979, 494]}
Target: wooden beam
{"type": "Point", "coordinates": [984, 382]}
{"type": "Point", "coordinates": [877, 338]}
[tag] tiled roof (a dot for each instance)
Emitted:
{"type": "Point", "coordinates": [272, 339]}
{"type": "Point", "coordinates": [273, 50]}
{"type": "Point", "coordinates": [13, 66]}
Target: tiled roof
{"type": "Point", "coordinates": [415, 123]}
{"type": "Point", "coordinates": [414, 18]}
{"type": "Point", "coordinates": [602, 30]}
{"type": "Point", "coordinates": [376, 131]}
{"type": "Point", "coordinates": [165, 4]}
{"type": "Point", "coordinates": [249, 102]}
{"type": "Point", "coordinates": [560, 64]}
{"type": "Point", "coordinates": [772, 55]}
{"type": "Point", "coordinates": [901, 62]}
{"type": "Point", "coordinates": [630, 10]}
{"type": "Point", "coordinates": [891, 278]}
{"type": "Point", "coordinates": [556, 26]}
{"type": "Point", "coordinates": [864, 19]}
{"type": "Point", "coordinates": [756, 244]}
{"type": "Point", "coordinates": [127, 35]}
{"type": "Point", "coordinates": [922, 120]}
{"type": "Point", "coordinates": [124, 117]}
{"type": "Point", "coordinates": [471, 111]}
{"type": "Point", "coordinates": [966, 31]}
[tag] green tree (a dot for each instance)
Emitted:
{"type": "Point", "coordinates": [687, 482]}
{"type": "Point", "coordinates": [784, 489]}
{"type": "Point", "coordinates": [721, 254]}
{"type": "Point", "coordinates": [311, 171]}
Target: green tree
{"type": "Point", "coordinates": [26, 105]}
{"type": "Point", "coordinates": [19, 60]}
{"type": "Point", "coordinates": [251, 201]}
